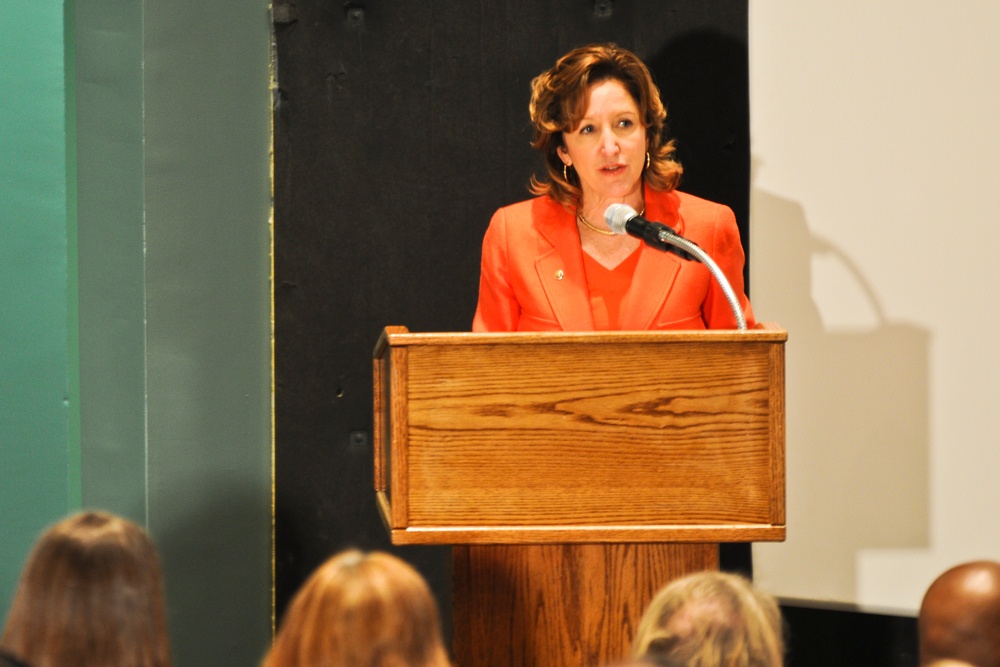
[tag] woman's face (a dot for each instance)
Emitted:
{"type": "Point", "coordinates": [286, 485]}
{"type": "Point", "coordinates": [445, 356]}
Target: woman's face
{"type": "Point", "coordinates": [608, 148]}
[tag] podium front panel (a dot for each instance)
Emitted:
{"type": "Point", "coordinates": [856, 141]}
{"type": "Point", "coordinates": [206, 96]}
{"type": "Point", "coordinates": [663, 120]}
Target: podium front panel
{"type": "Point", "coordinates": [583, 437]}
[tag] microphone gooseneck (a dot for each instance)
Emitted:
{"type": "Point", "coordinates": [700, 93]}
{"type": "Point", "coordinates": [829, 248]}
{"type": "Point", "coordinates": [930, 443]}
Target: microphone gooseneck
{"type": "Point", "coordinates": [623, 219]}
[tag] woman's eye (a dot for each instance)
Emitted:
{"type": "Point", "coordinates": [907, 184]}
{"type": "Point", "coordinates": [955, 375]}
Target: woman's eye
{"type": "Point", "coordinates": [586, 129]}
{"type": "Point", "coordinates": [625, 122]}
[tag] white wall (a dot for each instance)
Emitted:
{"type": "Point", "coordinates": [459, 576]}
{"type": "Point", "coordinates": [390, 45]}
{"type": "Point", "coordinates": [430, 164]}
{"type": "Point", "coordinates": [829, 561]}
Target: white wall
{"type": "Point", "coordinates": [875, 239]}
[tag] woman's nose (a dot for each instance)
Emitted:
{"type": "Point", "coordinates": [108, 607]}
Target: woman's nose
{"type": "Point", "coordinates": [609, 143]}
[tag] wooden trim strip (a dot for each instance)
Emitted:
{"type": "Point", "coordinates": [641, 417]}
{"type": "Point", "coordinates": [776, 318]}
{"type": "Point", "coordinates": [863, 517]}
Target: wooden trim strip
{"type": "Point", "coordinates": [400, 428]}
{"type": "Point", "coordinates": [777, 428]}
{"type": "Point", "coordinates": [764, 333]}
{"type": "Point", "coordinates": [588, 534]}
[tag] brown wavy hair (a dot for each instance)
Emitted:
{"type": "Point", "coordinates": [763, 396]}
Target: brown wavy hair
{"type": "Point", "coordinates": [361, 610]}
{"type": "Point", "coordinates": [91, 593]}
{"type": "Point", "coordinates": [559, 98]}
{"type": "Point", "coordinates": [711, 619]}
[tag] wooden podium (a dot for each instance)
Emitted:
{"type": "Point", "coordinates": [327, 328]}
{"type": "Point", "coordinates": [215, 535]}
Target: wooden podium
{"type": "Point", "coordinates": [576, 473]}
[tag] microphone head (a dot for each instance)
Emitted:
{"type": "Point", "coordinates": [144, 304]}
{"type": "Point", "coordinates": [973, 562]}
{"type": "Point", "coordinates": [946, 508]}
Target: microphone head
{"type": "Point", "coordinates": [617, 215]}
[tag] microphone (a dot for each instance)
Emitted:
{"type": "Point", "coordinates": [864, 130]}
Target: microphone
{"type": "Point", "coordinates": [622, 219]}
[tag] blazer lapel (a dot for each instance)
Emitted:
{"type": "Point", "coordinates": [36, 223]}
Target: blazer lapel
{"type": "Point", "coordinates": [560, 270]}
{"type": "Point", "coordinates": [656, 271]}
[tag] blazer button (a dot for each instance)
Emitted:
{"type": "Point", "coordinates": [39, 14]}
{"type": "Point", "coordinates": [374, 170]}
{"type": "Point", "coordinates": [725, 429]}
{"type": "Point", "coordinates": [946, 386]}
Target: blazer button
{"type": "Point", "coordinates": [559, 274]}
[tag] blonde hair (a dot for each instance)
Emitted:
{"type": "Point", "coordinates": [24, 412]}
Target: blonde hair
{"type": "Point", "coordinates": [91, 593]}
{"type": "Point", "coordinates": [361, 610]}
{"type": "Point", "coordinates": [559, 98]}
{"type": "Point", "coordinates": [711, 619]}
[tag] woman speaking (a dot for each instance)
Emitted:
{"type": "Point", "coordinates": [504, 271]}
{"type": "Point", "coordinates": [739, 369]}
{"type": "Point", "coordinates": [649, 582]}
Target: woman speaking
{"type": "Point", "coordinates": [551, 263]}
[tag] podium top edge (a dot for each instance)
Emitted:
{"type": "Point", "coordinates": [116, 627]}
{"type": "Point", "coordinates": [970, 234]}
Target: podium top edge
{"type": "Point", "coordinates": [765, 332]}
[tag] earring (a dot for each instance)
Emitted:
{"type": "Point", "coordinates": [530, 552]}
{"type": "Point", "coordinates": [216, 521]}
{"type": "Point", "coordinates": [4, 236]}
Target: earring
{"type": "Point", "coordinates": [647, 159]}
{"type": "Point", "coordinates": [565, 172]}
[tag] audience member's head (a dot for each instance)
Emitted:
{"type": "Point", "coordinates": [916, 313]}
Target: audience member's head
{"type": "Point", "coordinates": [7, 660]}
{"type": "Point", "coordinates": [711, 619]}
{"type": "Point", "coordinates": [960, 617]}
{"type": "Point", "coordinates": [91, 594]}
{"type": "Point", "coordinates": [361, 610]}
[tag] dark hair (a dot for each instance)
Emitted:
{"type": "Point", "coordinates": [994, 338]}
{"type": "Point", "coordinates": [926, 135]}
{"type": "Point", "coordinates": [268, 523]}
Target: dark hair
{"type": "Point", "coordinates": [90, 594]}
{"type": "Point", "coordinates": [559, 99]}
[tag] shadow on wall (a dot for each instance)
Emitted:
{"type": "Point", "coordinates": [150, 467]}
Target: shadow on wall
{"type": "Point", "coordinates": [857, 425]}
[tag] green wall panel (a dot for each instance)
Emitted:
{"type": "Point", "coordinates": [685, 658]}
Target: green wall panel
{"type": "Point", "coordinates": [135, 319]}
{"type": "Point", "coordinates": [207, 195]}
{"type": "Point", "coordinates": [174, 175]}
{"type": "Point", "coordinates": [109, 92]}
{"type": "Point", "coordinates": [39, 474]}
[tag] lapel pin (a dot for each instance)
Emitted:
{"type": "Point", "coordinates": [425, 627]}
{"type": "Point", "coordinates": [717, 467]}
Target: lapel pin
{"type": "Point", "coordinates": [559, 274]}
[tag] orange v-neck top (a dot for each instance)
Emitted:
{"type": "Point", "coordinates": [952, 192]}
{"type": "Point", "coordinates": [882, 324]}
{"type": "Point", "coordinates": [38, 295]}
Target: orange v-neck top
{"type": "Point", "coordinates": [608, 288]}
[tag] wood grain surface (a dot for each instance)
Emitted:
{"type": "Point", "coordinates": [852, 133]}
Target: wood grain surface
{"type": "Point", "coordinates": [646, 436]}
{"type": "Point", "coordinates": [560, 605]}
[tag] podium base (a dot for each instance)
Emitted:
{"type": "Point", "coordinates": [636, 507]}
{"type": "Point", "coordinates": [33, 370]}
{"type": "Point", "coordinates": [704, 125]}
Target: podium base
{"type": "Point", "coordinates": [560, 605]}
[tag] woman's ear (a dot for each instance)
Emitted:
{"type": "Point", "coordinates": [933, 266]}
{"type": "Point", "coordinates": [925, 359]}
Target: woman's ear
{"type": "Point", "coordinates": [564, 156]}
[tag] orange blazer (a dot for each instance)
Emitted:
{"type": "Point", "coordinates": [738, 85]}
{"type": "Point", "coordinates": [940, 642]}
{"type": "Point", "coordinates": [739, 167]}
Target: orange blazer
{"type": "Point", "coordinates": [532, 276]}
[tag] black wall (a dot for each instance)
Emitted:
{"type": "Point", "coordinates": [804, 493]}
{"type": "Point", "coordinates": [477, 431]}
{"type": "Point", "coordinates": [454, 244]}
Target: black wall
{"type": "Point", "coordinates": [399, 129]}
{"type": "Point", "coordinates": [830, 635]}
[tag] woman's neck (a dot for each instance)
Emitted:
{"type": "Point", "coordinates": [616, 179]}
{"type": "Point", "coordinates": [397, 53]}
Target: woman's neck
{"type": "Point", "coordinates": [593, 208]}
